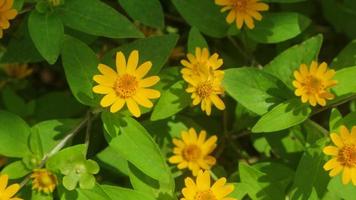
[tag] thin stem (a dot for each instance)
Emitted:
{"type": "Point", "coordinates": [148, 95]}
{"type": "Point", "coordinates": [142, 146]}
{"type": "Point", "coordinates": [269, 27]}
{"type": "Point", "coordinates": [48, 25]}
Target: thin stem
{"type": "Point", "coordinates": [321, 109]}
{"type": "Point", "coordinates": [88, 130]}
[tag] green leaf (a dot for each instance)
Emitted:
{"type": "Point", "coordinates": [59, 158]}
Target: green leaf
{"type": "Point", "coordinates": [14, 133]}
{"type": "Point", "coordinates": [195, 13]}
{"type": "Point", "coordinates": [290, 60]}
{"type": "Point", "coordinates": [175, 97]}
{"type": "Point", "coordinates": [240, 190]}
{"type": "Point", "coordinates": [346, 81]}
{"type": "Point", "coordinates": [310, 178]}
{"type": "Point", "coordinates": [16, 170]}
{"type": "Point", "coordinates": [134, 142]}
{"type": "Point", "coordinates": [283, 116]}
{"type": "Point", "coordinates": [149, 12]}
{"type": "Point", "coordinates": [15, 104]}
{"type": "Point", "coordinates": [111, 160]}
{"type": "Point", "coordinates": [256, 90]}
{"type": "Point", "coordinates": [335, 118]}
{"type": "Point", "coordinates": [278, 27]}
{"type": "Point", "coordinates": [283, 1]}
{"type": "Point", "coordinates": [346, 58]}
{"type": "Point", "coordinates": [346, 192]}
{"type": "Point", "coordinates": [80, 65]}
{"type": "Point", "coordinates": [155, 49]}
{"type": "Point", "coordinates": [97, 18]}
{"type": "Point", "coordinates": [47, 32]}
{"type": "Point", "coordinates": [41, 196]}
{"type": "Point", "coordinates": [196, 39]}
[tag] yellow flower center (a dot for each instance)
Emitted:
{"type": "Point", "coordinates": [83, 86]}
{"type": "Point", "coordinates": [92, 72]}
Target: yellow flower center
{"type": "Point", "coordinates": [313, 85]}
{"type": "Point", "coordinates": [46, 180]}
{"type": "Point", "coordinates": [205, 195]}
{"type": "Point", "coordinates": [240, 5]}
{"type": "Point", "coordinates": [191, 153]}
{"type": "Point", "coordinates": [347, 156]}
{"type": "Point", "coordinates": [204, 89]}
{"type": "Point", "coordinates": [126, 86]}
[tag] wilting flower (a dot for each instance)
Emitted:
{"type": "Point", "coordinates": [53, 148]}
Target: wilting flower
{"type": "Point", "coordinates": [344, 155]}
{"type": "Point", "coordinates": [202, 189]}
{"type": "Point", "coordinates": [43, 181]}
{"type": "Point", "coordinates": [193, 151]}
{"type": "Point", "coordinates": [6, 14]}
{"type": "Point", "coordinates": [313, 84]}
{"type": "Point", "coordinates": [242, 11]}
{"type": "Point", "coordinates": [17, 71]}
{"type": "Point", "coordinates": [7, 193]}
{"type": "Point", "coordinates": [126, 85]}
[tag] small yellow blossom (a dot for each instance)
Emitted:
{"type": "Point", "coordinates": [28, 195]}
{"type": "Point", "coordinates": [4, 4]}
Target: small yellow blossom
{"type": "Point", "coordinates": [43, 181]}
{"type": "Point", "coordinates": [6, 14]}
{"type": "Point", "coordinates": [242, 11]}
{"type": "Point", "coordinates": [313, 85]}
{"type": "Point", "coordinates": [193, 150]}
{"type": "Point", "coordinates": [126, 85]}
{"type": "Point", "coordinates": [343, 155]}
{"type": "Point", "coordinates": [17, 71]}
{"type": "Point", "coordinates": [201, 189]}
{"type": "Point", "coordinates": [7, 193]}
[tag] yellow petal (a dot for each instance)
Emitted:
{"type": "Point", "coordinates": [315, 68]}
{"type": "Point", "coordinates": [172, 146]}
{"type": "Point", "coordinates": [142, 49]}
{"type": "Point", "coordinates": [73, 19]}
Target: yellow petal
{"type": "Point", "coordinates": [335, 171]}
{"type": "Point", "coordinates": [336, 140]}
{"type": "Point", "coordinates": [182, 165]}
{"type": "Point", "coordinates": [249, 22]}
{"type": "Point", "coordinates": [151, 93]}
{"type": "Point", "coordinates": [143, 101]}
{"type": "Point", "coordinates": [175, 159]}
{"type": "Point", "coordinates": [10, 14]}
{"type": "Point", "coordinates": [313, 67]}
{"type": "Point", "coordinates": [218, 184]}
{"type": "Point", "coordinates": [203, 180]}
{"type": "Point", "coordinates": [143, 69]}
{"type": "Point", "coordinates": [331, 150]}
{"type": "Point", "coordinates": [193, 135]}
{"type": "Point", "coordinates": [239, 20]}
{"type": "Point", "coordinates": [100, 89]}
{"type": "Point", "coordinates": [133, 107]}
{"type": "Point", "coordinates": [104, 80]}
{"type": "Point", "coordinates": [201, 137]}
{"type": "Point", "coordinates": [222, 2]}
{"type": "Point", "coordinates": [322, 68]}
{"type": "Point", "coordinates": [260, 6]}
{"type": "Point", "coordinates": [12, 190]}
{"type": "Point", "coordinates": [330, 164]}
{"type": "Point", "coordinates": [132, 62]}
{"type": "Point", "coordinates": [346, 176]}
{"type": "Point", "coordinates": [231, 16]}
{"type": "Point", "coordinates": [107, 71]}
{"type": "Point", "coordinates": [108, 99]}
{"type": "Point", "coordinates": [353, 174]}
{"type": "Point", "coordinates": [150, 81]}
{"type": "Point", "coordinates": [217, 102]}
{"type": "Point", "coordinates": [224, 191]}
{"type": "Point", "coordinates": [120, 63]}
{"type": "Point", "coordinates": [3, 182]}
{"type": "Point", "coordinates": [344, 133]}
{"type": "Point", "coordinates": [118, 104]}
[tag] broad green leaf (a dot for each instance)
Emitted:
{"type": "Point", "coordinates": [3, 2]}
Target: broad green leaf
{"type": "Point", "coordinates": [155, 49]}
{"type": "Point", "coordinates": [111, 160]}
{"type": "Point", "coordinates": [290, 60]}
{"type": "Point", "coordinates": [310, 178]}
{"type": "Point", "coordinates": [278, 27]}
{"type": "Point", "coordinates": [16, 170]}
{"type": "Point", "coordinates": [346, 192]}
{"type": "Point", "coordinates": [149, 12]}
{"type": "Point", "coordinates": [175, 97]}
{"type": "Point", "coordinates": [196, 39]}
{"type": "Point", "coordinates": [97, 18]}
{"type": "Point", "coordinates": [283, 116]}
{"type": "Point", "coordinates": [240, 190]}
{"type": "Point", "coordinates": [346, 81]}
{"type": "Point", "coordinates": [132, 143]}
{"type": "Point", "coordinates": [335, 118]}
{"type": "Point", "coordinates": [80, 65]}
{"type": "Point", "coordinates": [346, 58]}
{"type": "Point", "coordinates": [14, 133]}
{"type": "Point", "coordinates": [47, 32]}
{"type": "Point", "coordinates": [204, 15]}
{"type": "Point", "coordinates": [41, 196]}
{"type": "Point", "coordinates": [256, 90]}
{"type": "Point", "coordinates": [18, 4]}
{"type": "Point", "coordinates": [15, 104]}
{"type": "Point", "coordinates": [349, 120]}
{"type": "Point", "coordinates": [47, 134]}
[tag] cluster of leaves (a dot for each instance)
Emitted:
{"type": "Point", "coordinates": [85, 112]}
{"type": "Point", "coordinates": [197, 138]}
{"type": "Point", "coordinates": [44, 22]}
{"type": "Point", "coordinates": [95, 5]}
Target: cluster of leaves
{"type": "Point", "coordinates": [270, 143]}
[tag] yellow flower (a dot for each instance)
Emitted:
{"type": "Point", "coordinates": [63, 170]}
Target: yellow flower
{"type": "Point", "coordinates": [126, 85]}
{"type": "Point", "coordinates": [43, 181]}
{"type": "Point", "coordinates": [202, 189]}
{"type": "Point", "coordinates": [17, 71]}
{"type": "Point", "coordinates": [344, 155]}
{"type": "Point", "coordinates": [313, 84]}
{"type": "Point", "coordinates": [6, 14]}
{"type": "Point", "coordinates": [7, 193]}
{"type": "Point", "coordinates": [201, 64]}
{"type": "Point", "coordinates": [242, 11]}
{"type": "Point", "coordinates": [193, 151]}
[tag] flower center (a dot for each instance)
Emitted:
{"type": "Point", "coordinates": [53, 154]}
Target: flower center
{"type": "Point", "coordinates": [191, 153]}
{"type": "Point", "coordinates": [205, 195]}
{"type": "Point", "coordinates": [204, 89]}
{"type": "Point", "coordinates": [240, 5]}
{"type": "Point", "coordinates": [313, 85]}
{"type": "Point", "coordinates": [126, 86]}
{"type": "Point", "coordinates": [347, 156]}
{"type": "Point", "coordinates": [46, 180]}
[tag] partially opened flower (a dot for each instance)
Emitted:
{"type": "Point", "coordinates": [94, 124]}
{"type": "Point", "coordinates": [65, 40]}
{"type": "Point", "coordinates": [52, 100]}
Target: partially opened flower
{"type": "Point", "coordinates": [127, 85]}
{"type": "Point", "coordinates": [8, 193]}
{"type": "Point", "coordinates": [242, 11]}
{"type": "Point", "coordinates": [193, 151]}
{"type": "Point", "coordinates": [343, 155]}
{"type": "Point", "coordinates": [18, 71]}
{"type": "Point", "coordinates": [43, 181]}
{"type": "Point", "coordinates": [201, 189]}
{"type": "Point", "coordinates": [313, 84]}
{"type": "Point", "coordinates": [6, 14]}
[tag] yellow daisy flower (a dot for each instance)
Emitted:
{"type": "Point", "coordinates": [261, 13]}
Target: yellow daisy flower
{"type": "Point", "coordinates": [242, 11]}
{"type": "Point", "coordinates": [344, 155]}
{"type": "Point", "coordinates": [18, 71]}
{"type": "Point", "coordinates": [313, 84]}
{"type": "Point", "coordinates": [193, 151]}
{"type": "Point", "coordinates": [6, 14]}
{"type": "Point", "coordinates": [202, 189]}
{"type": "Point", "coordinates": [7, 193]}
{"type": "Point", "coordinates": [201, 63]}
{"type": "Point", "coordinates": [126, 85]}
{"type": "Point", "coordinates": [43, 181]}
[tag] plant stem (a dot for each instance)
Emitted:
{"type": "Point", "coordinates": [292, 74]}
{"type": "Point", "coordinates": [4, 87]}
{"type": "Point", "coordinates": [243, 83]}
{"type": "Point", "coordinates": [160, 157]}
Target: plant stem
{"type": "Point", "coordinates": [321, 109]}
